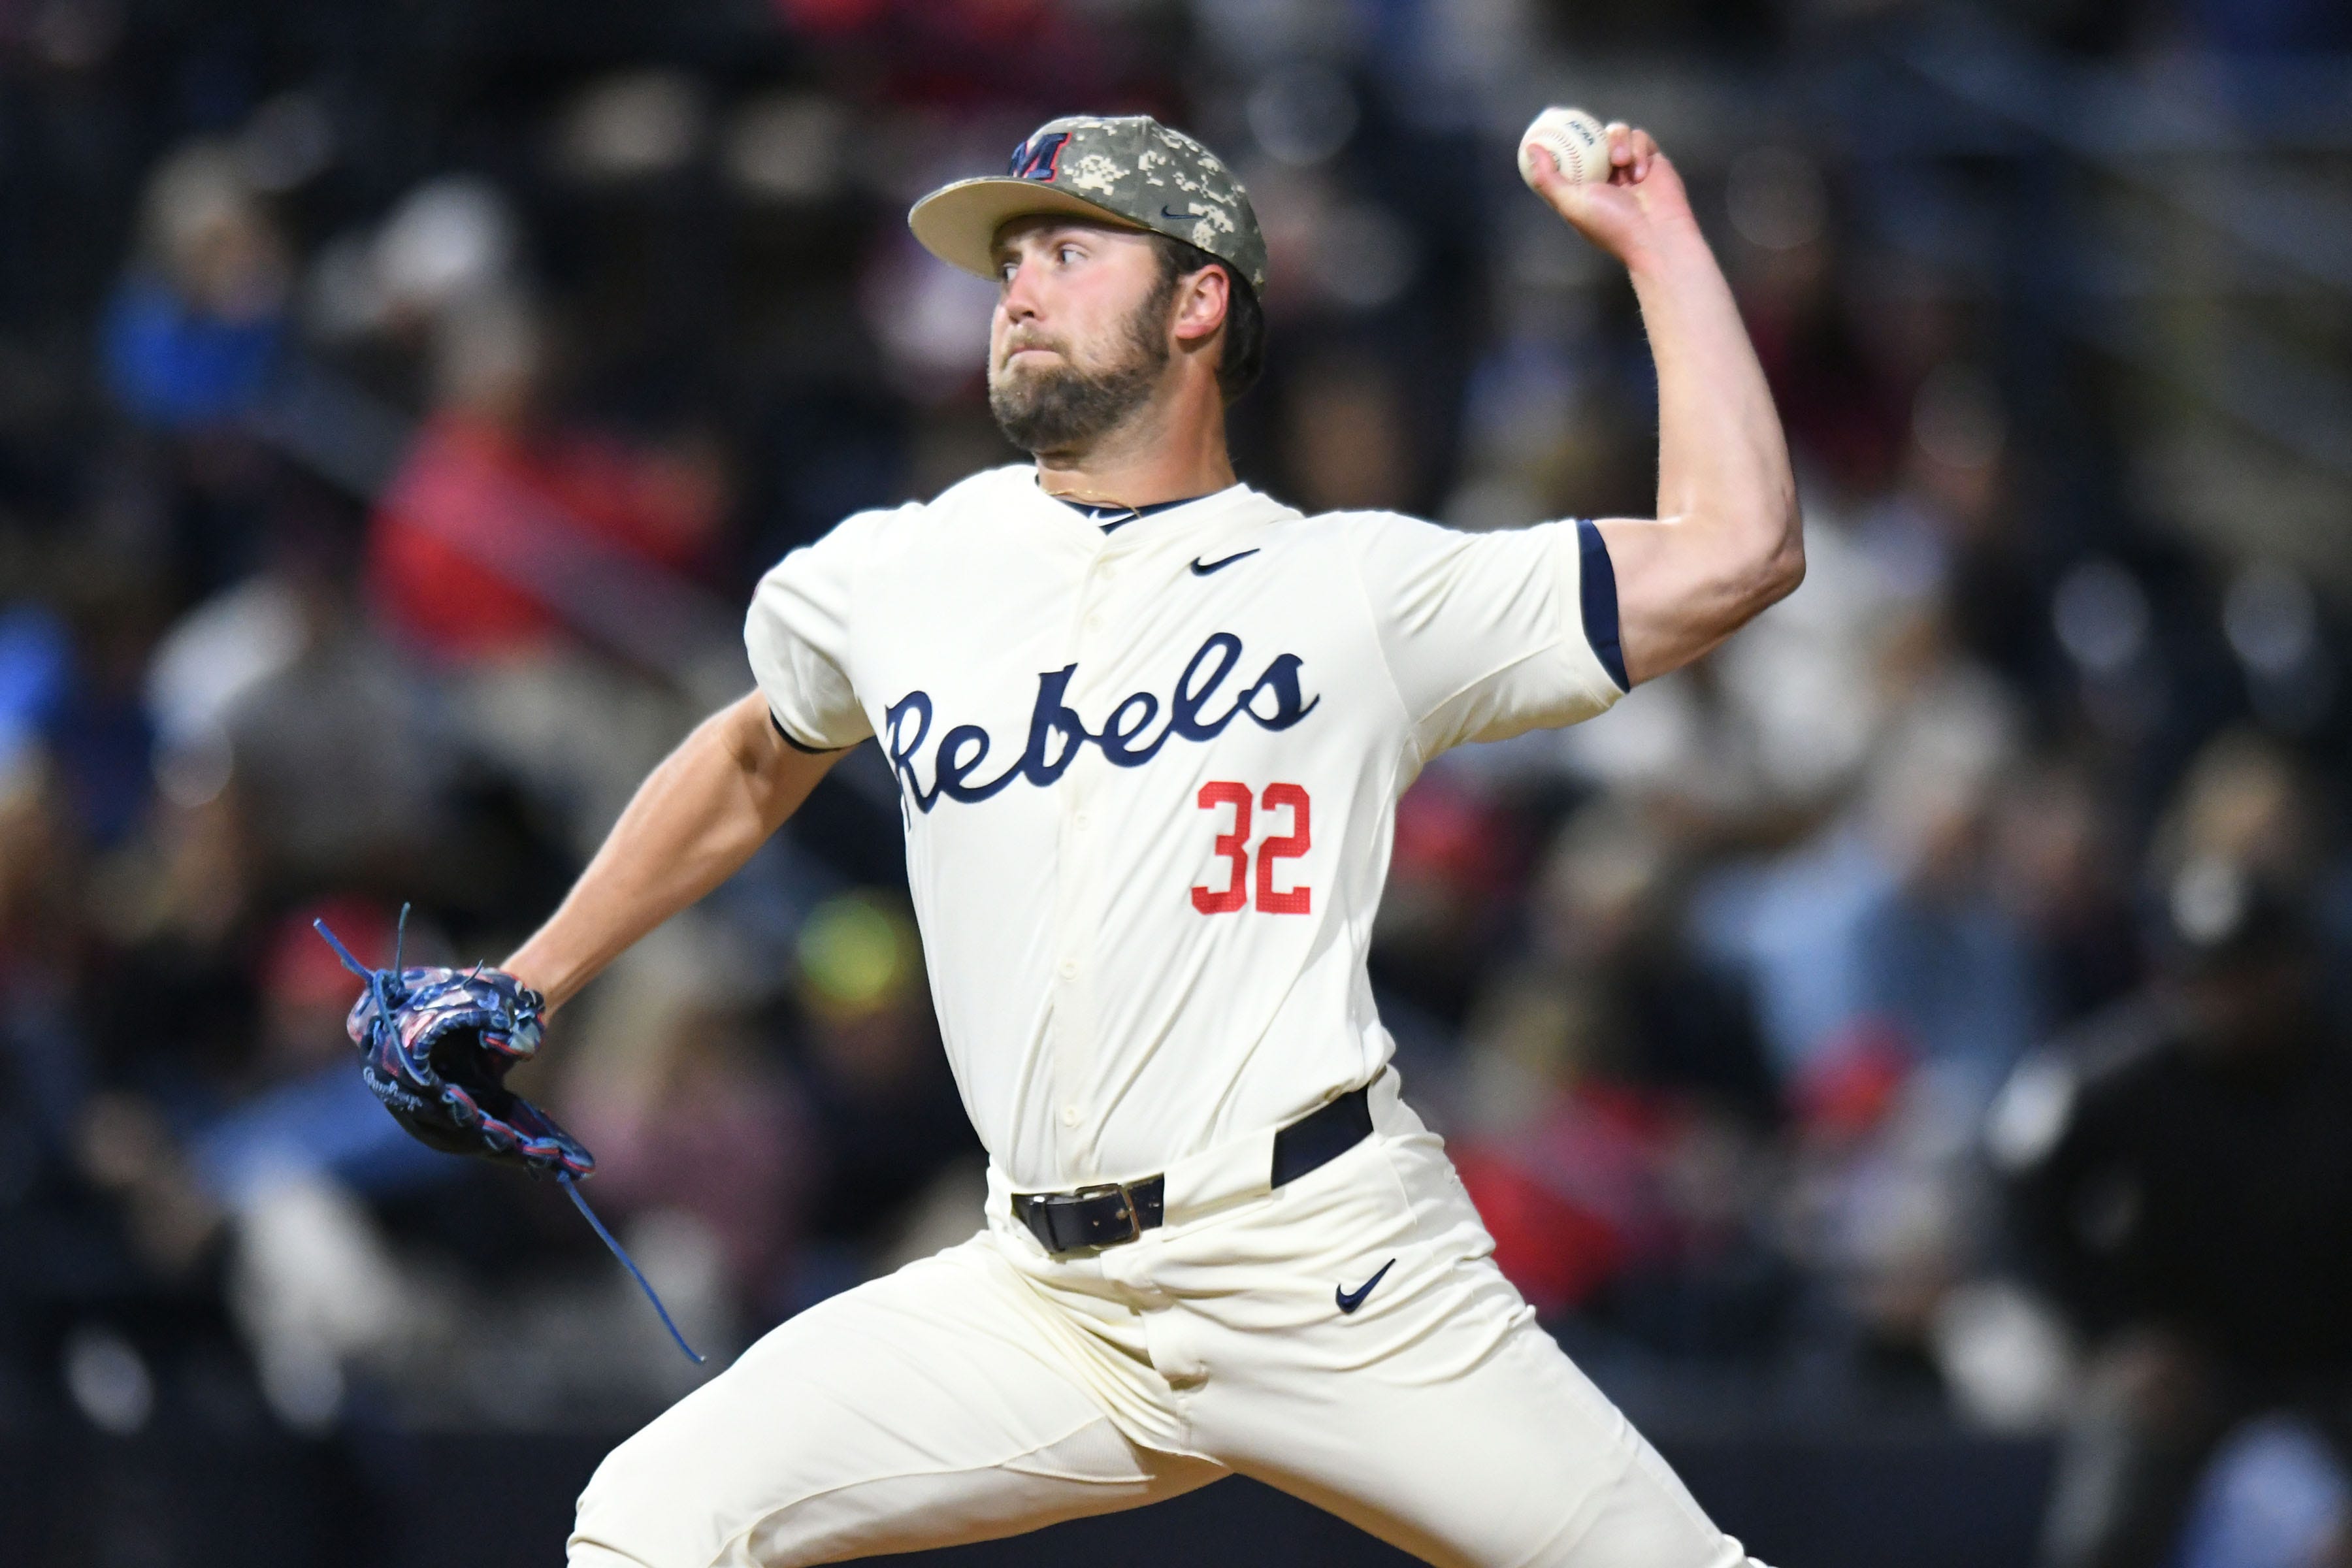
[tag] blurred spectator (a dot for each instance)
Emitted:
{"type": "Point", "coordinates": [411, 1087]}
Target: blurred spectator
{"type": "Point", "coordinates": [300, 1109]}
{"type": "Point", "coordinates": [510, 546]}
{"type": "Point", "coordinates": [170, 997]}
{"type": "Point", "coordinates": [1450, 887]}
{"type": "Point", "coordinates": [1840, 401]}
{"type": "Point", "coordinates": [194, 330]}
{"type": "Point", "coordinates": [2061, 871]}
{"type": "Point", "coordinates": [691, 1120]}
{"type": "Point", "coordinates": [1895, 988]}
{"type": "Point", "coordinates": [43, 1074]}
{"type": "Point", "coordinates": [94, 724]}
{"type": "Point", "coordinates": [34, 670]}
{"type": "Point", "coordinates": [2178, 1172]}
{"type": "Point", "coordinates": [2245, 800]}
{"type": "Point", "coordinates": [1887, 929]}
{"type": "Point", "coordinates": [342, 767]}
{"type": "Point", "coordinates": [500, 523]}
{"type": "Point", "coordinates": [1566, 1166]}
{"type": "Point", "coordinates": [2274, 1497]}
{"type": "Point", "coordinates": [886, 1120]}
{"type": "Point", "coordinates": [1611, 1100]}
{"type": "Point", "coordinates": [1608, 913]}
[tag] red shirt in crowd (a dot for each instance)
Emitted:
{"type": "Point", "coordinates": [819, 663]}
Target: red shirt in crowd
{"type": "Point", "coordinates": [483, 541]}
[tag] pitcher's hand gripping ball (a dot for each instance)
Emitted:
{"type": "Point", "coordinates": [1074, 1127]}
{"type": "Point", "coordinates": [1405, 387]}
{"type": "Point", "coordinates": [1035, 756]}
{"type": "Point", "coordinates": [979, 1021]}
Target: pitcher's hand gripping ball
{"type": "Point", "coordinates": [1578, 144]}
{"type": "Point", "coordinates": [436, 1045]}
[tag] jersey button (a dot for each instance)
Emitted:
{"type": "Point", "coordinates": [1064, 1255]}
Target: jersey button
{"type": "Point", "coordinates": [1094, 623]}
{"type": "Point", "coordinates": [1069, 968]}
{"type": "Point", "coordinates": [1083, 820]}
{"type": "Point", "coordinates": [1069, 1116]}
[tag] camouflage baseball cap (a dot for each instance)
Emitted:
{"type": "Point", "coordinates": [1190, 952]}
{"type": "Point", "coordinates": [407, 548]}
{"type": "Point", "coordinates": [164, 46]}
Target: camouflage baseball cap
{"type": "Point", "coordinates": [1130, 171]}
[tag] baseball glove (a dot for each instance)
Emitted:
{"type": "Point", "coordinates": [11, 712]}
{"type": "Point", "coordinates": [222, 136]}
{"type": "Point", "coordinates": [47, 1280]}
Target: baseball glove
{"type": "Point", "coordinates": [436, 1045]}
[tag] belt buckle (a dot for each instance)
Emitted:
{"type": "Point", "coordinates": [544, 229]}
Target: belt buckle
{"type": "Point", "coordinates": [1125, 1211]}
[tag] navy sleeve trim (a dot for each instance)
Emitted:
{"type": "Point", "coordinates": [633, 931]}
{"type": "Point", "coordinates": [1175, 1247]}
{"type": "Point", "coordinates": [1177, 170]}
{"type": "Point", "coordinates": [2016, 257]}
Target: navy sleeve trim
{"type": "Point", "coordinates": [802, 746]}
{"type": "Point", "coordinates": [1598, 587]}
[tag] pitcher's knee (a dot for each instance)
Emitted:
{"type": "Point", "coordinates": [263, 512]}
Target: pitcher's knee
{"type": "Point", "coordinates": [649, 1505]}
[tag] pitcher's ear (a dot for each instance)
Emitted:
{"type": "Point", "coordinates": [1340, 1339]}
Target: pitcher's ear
{"type": "Point", "coordinates": [1203, 300]}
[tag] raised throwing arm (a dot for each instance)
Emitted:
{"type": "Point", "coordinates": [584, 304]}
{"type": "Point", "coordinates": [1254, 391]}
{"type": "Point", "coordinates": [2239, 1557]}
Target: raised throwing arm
{"type": "Point", "coordinates": [693, 823]}
{"type": "Point", "coordinates": [1727, 541]}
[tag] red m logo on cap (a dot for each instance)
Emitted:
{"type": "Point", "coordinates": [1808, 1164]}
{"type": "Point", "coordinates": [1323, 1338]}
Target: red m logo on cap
{"type": "Point", "coordinates": [1035, 158]}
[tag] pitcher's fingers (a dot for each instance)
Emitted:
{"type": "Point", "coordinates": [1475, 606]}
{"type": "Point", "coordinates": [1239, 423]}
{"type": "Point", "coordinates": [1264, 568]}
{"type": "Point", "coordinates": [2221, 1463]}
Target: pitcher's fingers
{"type": "Point", "coordinates": [1645, 150]}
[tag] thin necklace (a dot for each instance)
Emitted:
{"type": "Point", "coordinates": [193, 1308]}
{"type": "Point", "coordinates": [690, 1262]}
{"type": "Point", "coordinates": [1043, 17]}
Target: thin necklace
{"type": "Point", "coordinates": [1086, 500]}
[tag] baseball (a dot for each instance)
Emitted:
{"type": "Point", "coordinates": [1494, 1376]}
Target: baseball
{"type": "Point", "coordinates": [1575, 140]}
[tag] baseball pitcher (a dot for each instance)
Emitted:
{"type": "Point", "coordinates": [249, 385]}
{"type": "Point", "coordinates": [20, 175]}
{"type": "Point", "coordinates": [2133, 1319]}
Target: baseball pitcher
{"type": "Point", "coordinates": [1149, 727]}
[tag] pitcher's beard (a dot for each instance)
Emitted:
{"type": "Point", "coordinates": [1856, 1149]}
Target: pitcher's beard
{"type": "Point", "coordinates": [1065, 409]}
{"type": "Point", "coordinates": [1062, 410]}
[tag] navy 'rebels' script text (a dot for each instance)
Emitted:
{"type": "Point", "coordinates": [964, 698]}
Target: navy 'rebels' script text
{"type": "Point", "coordinates": [1272, 701]}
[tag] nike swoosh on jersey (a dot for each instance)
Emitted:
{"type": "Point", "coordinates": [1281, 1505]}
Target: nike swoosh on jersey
{"type": "Point", "coordinates": [1349, 1300]}
{"type": "Point", "coordinates": [1203, 568]}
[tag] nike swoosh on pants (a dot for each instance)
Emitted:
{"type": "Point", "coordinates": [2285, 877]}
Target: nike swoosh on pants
{"type": "Point", "coordinates": [1349, 1300]}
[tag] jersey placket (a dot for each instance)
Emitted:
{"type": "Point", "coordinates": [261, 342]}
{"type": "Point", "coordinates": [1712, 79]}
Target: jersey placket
{"type": "Point", "coordinates": [1077, 885]}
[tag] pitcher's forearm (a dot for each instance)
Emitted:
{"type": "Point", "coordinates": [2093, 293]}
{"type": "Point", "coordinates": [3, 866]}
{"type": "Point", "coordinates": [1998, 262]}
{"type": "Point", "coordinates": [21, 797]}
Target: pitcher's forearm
{"type": "Point", "coordinates": [1726, 541]}
{"type": "Point", "coordinates": [1723, 462]}
{"type": "Point", "coordinates": [693, 824]}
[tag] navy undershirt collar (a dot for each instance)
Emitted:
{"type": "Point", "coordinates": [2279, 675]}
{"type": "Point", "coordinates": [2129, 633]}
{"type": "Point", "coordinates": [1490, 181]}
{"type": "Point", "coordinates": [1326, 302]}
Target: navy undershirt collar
{"type": "Point", "coordinates": [1113, 517]}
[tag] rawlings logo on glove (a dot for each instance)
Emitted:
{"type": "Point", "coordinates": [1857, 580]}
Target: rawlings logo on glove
{"type": "Point", "coordinates": [436, 1045]}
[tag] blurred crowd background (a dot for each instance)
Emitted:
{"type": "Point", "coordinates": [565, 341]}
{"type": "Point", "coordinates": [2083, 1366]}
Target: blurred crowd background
{"type": "Point", "coordinates": [1926, 1014]}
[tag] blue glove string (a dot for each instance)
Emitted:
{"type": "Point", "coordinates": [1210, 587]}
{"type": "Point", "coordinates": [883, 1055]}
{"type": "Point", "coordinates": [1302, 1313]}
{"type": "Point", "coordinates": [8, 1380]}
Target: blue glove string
{"type": "Point", "coordinates": [383, 984]}
{"type": "Point", "coordinates": [580, 1204]}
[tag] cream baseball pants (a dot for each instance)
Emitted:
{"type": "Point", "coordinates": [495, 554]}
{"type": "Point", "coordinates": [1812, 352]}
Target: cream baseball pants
{"type": "Point", "coordinates": [995, 1388]}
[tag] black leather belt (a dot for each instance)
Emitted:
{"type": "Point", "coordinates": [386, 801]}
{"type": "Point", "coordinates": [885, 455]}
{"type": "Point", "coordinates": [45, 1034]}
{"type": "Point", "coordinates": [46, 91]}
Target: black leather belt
{"type": "Point", "coordinates": [1115, 1212]}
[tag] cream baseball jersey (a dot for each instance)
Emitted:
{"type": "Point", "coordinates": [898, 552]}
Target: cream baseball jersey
{"type": "Point", "coordinates": [1149, 777]}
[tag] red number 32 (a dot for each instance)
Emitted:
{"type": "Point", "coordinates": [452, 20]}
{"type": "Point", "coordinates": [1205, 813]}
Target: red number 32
{"type": "Point", "coordinates": [1234, 846]}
